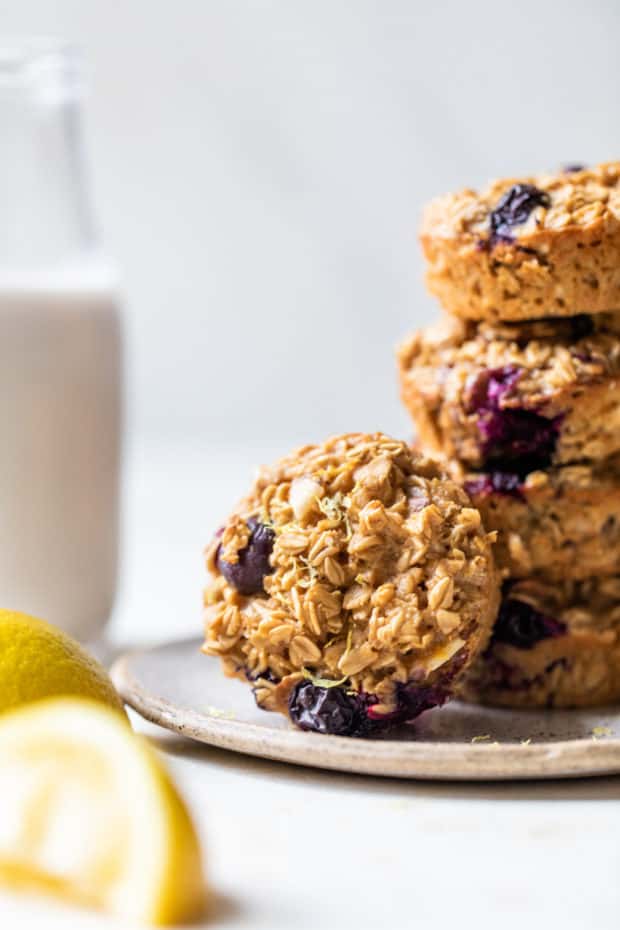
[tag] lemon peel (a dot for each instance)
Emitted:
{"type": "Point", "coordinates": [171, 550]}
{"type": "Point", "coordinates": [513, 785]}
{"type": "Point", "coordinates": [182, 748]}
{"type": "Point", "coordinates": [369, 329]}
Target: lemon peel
{"type": "Point", "coordinates": [37, 660]}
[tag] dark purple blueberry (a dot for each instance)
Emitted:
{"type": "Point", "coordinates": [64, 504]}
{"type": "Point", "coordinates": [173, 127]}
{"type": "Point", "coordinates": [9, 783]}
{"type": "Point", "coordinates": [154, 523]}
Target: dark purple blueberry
{"type": "Point", "coordinates": [247, 574]}
{"type": "Point", "coordinates": [412, 700]}
{"type": "Point", "coordinates": [339, 713]}
{"type": "Point", "coordinates": [490, 386]}
{"type": "Point", "coordinates": [516, 439]}
{"type": "Point", "coordinates": [521, 625]}
{"type": "Point", "coordinates": [496, 482]}
{"type": "Point", "coordinates": [514, 209]}
{"type": "Point", "coordinates": [573, 168]}
{"type": "Point", "coordinates": [324, 710]}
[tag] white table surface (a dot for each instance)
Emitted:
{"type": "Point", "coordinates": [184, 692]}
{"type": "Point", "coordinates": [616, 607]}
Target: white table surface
{"type": "Point", "coordinates": [295, 848]}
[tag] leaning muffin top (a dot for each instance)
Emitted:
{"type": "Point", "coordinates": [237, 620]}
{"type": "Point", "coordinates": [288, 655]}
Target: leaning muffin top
{"type": "Point", "coordinates": [355, 561]}
{"type": "Point", "coordinates": [522, 208]}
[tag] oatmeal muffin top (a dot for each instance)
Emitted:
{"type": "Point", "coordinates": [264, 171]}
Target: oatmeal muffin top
{"type": "Point", "coordinates": [547, 245]}
{"type": "Point", "coordinates": [523, 209]}
{"type": "Point", "coordinates": [355, 563]}
{"type": "Point", "coordinates": [520, 395]}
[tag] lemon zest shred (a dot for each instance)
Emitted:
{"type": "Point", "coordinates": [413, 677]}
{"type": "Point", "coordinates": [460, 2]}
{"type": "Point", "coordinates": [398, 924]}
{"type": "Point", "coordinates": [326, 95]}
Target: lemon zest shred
{"type": "Point", "coordinates": [598, 732]}
{"type": "Point", "coordinates": [347, 648]}
{"type": "Point", "coordinates": [335, 509]}
{"type": "Point", "coordinates": [313, 573]}
{"type": "Point", "coordinates": [218, 712]}
{"type": "Point", "coordinates": [323, 682]}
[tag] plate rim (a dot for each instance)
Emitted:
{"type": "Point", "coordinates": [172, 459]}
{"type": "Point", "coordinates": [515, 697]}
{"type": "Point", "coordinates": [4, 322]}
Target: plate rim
{"type": "Point", "coordinates": [381, 758]}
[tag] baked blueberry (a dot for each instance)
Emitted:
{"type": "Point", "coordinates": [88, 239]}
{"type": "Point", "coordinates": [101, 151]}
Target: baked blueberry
{"type": "Point", "coordinates": [514, 209]}
{"type": "Point", "coordinates": [495, 482]}
{"type": "Point", "coordinates": [340, 712]}
{"type": "Point", "coordinates": [520, 438]}
{"type": "Point", "coordinates": [246, 575]}
{"type": "Point", "coordinates": [521, 625]}
{"type": "Point", "coordinates": [324, 710]}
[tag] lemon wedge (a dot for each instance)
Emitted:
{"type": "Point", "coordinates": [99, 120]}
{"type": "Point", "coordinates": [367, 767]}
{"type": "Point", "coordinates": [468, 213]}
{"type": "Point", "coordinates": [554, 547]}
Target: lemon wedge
{"type": "Point", "coordinates": [38, 660]}
{"type": "Point", "coordinates": [88, 812]}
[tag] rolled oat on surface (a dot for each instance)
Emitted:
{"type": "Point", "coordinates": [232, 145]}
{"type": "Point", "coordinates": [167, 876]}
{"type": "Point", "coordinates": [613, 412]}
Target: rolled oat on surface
{"type": "Point", "coordinates": [352, 587]}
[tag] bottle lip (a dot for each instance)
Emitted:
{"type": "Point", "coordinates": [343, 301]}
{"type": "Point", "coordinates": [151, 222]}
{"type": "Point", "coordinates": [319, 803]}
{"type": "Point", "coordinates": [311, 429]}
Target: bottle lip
{"type": "Point", "coordinates": [45, 67]}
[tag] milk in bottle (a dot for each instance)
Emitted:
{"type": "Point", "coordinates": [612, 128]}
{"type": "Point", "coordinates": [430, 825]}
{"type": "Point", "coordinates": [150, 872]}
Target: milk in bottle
{"type": "Point", "coordinates": [60, 355]}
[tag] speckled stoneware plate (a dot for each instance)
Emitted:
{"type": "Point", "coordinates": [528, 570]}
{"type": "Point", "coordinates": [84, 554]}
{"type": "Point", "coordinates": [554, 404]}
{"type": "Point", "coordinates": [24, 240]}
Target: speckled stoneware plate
{"type": "Point", "coordinates": [177, 687]}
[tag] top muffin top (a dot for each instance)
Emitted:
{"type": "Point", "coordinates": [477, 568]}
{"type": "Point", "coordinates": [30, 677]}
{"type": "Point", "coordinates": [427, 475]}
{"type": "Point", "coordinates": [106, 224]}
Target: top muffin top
{"type": "Point", "coordinates": [522, 208]}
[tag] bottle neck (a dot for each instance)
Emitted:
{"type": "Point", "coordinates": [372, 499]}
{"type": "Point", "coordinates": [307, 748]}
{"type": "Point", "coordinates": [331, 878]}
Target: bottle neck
{"type": "Point", "coordinates": [45, 216]}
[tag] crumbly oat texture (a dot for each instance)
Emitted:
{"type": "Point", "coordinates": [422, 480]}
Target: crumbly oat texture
{"type": "Point", "coordinates": [555, 646]}
{"type": "Point", "coordinates": [380, 579]}
{"type": "Point", "coordinates": [560, 523]}
{"type": "Point", "coordinates": [479, 392]}
{"type": "Point", "coordinates": [526, 248]}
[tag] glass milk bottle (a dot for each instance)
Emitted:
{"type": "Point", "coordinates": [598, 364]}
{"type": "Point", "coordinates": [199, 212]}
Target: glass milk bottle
{"type": "Point", "coordinates": [60, 355]}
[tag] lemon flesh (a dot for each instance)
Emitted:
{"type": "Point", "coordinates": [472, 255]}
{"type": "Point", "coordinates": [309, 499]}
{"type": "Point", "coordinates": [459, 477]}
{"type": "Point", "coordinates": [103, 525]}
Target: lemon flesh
{"type": "Point", "coordinates": [38, 660]}
{"type": "Point", "coordinates": [88, 812]}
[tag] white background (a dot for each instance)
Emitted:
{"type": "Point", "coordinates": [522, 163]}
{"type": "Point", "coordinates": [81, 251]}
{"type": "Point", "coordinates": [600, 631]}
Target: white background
{"type": "Point", "coordinates": [259, 170]}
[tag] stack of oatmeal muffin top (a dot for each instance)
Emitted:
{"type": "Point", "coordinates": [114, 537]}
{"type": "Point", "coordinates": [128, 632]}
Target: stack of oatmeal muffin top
{"type": "Point", "coordinates": [518, 390]}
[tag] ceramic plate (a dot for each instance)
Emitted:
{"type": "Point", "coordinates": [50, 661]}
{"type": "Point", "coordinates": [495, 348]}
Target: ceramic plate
{"type": "Point", "coordinates": [177, 687]}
